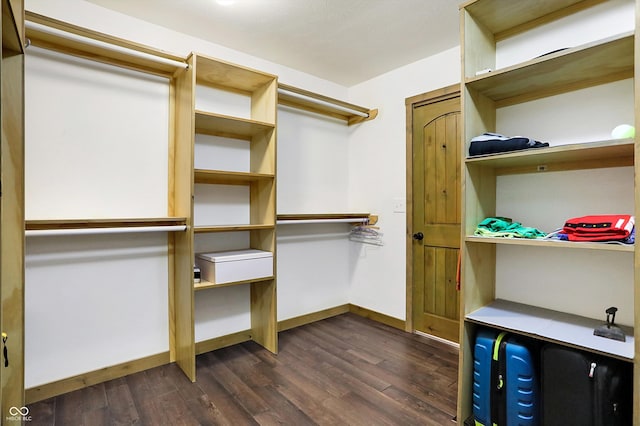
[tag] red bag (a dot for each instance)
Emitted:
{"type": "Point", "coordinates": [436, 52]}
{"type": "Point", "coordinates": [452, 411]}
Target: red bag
{"type": "Point", "coordinates": [599, 228]}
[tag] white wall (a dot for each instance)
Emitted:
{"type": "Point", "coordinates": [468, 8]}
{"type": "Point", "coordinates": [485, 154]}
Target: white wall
{"type": "Point", "coordinates": [97, 147]}
{"type": "Point", "coordinates": [377, 176]}
{"type": "Point", "coordinates": [313, 259]}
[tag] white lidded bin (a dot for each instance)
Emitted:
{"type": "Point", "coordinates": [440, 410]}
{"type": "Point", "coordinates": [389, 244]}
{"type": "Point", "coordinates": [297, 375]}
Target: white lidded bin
{"type": "Point", "coordinates": [237, 265]}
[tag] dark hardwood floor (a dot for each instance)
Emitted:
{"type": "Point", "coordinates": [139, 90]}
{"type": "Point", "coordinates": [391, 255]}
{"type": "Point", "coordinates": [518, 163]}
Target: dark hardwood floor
{"type": "Point", "coordinates": [345, 370]}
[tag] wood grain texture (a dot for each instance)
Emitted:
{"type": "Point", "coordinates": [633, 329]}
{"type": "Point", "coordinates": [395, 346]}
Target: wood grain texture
{"type": "Point", "coordinates": [218, 73]}
{"type": "Point", "coordinates": [82, 48]}
{"type": "Point", "coordinates": [11, 229]}
{"type": "Point", "coordinates": [600, 62]}
{"type": "Point", "coordinates": [341, 370]}
{"type": "Point", "coordinates": [509, 17]}
{"type": "Point", "coordinates": [183, 299]}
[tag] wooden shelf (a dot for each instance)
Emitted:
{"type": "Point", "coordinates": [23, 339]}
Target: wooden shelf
{"type": "Point", "coordinates": [229, 127]}
{"type": "Point", "coordinates": [218, 73]}
{"type": "Point", "coordinates": [220, 177]}
{"type": "Point", "coordinates": [12, 35]}
{"type": "Point", "coordinates": [507, 17]}
{"type": "Point", "coordinates": [53, 224]}
{"type": "Point", "coordinates": [231, 228]}
{"type": "Point", "coordinates": [553, 326]}
{"type": "Point", "coordinates": [609, 153]}
{"type": "Point", "coordinates": [629, 248]}
{"type": "Point", "coordinates": [594, 63]}
{"type": "Point", "coordinates": [203, 285]}
{"type": "Point", "coordinates": [485, 90]}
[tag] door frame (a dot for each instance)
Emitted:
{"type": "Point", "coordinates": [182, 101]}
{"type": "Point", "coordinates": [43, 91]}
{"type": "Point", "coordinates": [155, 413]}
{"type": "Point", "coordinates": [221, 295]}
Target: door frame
{"type": "Point", "coordinates": [433, 96]}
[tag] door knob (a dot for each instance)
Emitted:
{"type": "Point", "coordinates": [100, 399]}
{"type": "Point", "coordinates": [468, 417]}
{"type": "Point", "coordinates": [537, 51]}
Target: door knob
{"type": "Point", "coordinates": [418, 236]}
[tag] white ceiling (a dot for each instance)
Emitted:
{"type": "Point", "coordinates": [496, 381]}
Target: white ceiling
{"type": "Point", "coordinates": [344, 41]}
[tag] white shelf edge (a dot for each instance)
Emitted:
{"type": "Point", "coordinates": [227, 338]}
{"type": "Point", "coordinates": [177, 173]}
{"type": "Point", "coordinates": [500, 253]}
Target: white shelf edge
{"type": "Point", "coordinates": [559, 327]}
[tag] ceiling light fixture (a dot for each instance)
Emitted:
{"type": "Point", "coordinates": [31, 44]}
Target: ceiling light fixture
{"type": "Point", "coordinates": [225, 2]}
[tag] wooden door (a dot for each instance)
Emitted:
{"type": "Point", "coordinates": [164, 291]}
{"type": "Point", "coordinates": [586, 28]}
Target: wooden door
{"type": "Point", "coordinates": [436, 216]}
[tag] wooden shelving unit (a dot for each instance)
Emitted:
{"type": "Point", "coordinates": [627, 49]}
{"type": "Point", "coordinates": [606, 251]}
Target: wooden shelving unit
{"type": "Point", "coordinates": [184, 75]}
{"type": "Point", "coordinates": [12, 206]}
{"type": "Point", "coordinates": [260, 179]}
{"type": "Point", "coordinates": [484, 23]}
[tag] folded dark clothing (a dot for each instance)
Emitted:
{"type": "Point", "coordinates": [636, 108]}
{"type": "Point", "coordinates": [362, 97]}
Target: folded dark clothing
{"type": "Point", "coordinates": [493, 143]}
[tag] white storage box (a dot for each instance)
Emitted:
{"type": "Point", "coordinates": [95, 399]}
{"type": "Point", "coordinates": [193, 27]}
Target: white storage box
{"type": "Point", "coordinates": [238, 265]}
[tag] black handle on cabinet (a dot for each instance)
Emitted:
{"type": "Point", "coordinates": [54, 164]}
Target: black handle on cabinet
{"type": "Point", "coordinates": [418, 236]}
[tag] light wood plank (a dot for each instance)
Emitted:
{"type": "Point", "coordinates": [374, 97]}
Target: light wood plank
{"type": "Point", "coordinates": [319, 216]}
{"type": "Point", "coordinates": [312, 317]}
{"type": "Point", "coordinates": [321, 108]}
{"type": "Point", "coordinates": [264, 327]}
{"type": "Point", "coordinates": [377, 316]}
{"type": "Point", "coordinates": [12, 228]}
{"type": "Point", "coordinates": [183, 297]}
{"type": "Point", "coordinates": [205, 285]}
{"type": "Point", "coordinates": [232, 228]}
{"type": "Point", "coordinates": [511, 17]}
{"type": "Point", "coordinates": [594, 63]}
{"type": "Point", "coordinates": [220, 177]}
{"type": "Point", "coordinates": [38, 393]}
{"type": "Point", "coordinates": [225, 75]}
{"type": "Point", "coordinates": [12, 26]}
{"type": "Point", "coordinates": [230, 127]}
{"type": "Point", "coordinates": [618, 152]}
{"type": "Point", "coordinates": [80, 47]}
{"type": "Point", "coordinates": [42, 224]}
{"type": "Point", "coordinates": [222, 341]}
{"type": "Point", "coordinates": [552, 243]}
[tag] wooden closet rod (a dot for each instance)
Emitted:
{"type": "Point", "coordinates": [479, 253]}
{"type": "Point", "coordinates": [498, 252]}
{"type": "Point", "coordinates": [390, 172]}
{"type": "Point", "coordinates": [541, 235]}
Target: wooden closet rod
{"type": "Point", "coordinates": [93, 231]}
{"type": "Point", "coordinates": [354, 218]}
{"type": "Point", "coordinates": [299, 98]}
{"type": "Point", "coordinates": [67, 38]}
{"type": "Point", "coordinates": [318, 101]}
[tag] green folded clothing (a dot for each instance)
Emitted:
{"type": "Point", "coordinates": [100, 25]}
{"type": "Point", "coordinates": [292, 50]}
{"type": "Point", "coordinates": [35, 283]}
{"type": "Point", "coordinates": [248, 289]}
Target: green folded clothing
{"type": "Point", "coordinates": [503, 227]}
